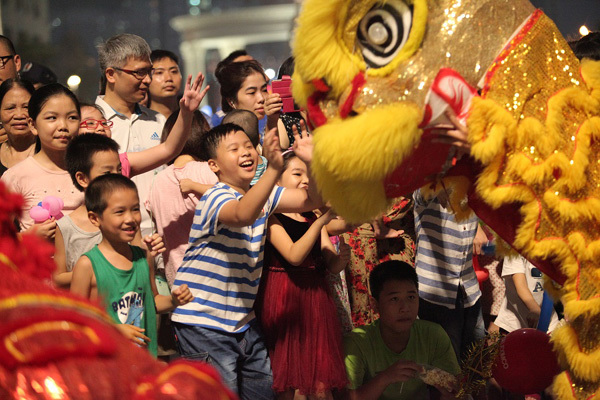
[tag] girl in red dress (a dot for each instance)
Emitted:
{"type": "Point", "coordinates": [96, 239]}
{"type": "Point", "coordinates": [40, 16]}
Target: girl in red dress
{"type": "Point", "coordinates": [296, 311]}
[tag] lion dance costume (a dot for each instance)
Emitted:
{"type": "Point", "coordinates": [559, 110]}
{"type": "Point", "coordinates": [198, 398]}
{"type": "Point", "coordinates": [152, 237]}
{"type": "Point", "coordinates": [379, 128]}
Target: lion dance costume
{"type": "Point", "coordinates": [54, 345]}
{"type": "Point", "coordinates": [367, 72]}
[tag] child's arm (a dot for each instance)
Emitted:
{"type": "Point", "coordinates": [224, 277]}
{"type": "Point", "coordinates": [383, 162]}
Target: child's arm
{"type": "Point", "coordinates": [83, 273]}
{"type": "Point", "coordinates": [189, 186]}
{"type": "Point", "coordinates": [296, 252]}
{"type": "Point", "coordinates": [156, 156]}
{"type": "Point", "coordinates": [338, 226]}
{"type": "Point", "coordinates": [61, 277]}
{"type": "Point", "coordinates": [336, 263]}
{"type": "Point", "coordinates": [164, 303]}
{"type": "Point", "coordinates": [245, 211]}
{"type": "Point", "coordinates": [520, 282]}
{"type": "Point", "coordinates": [300, 200]}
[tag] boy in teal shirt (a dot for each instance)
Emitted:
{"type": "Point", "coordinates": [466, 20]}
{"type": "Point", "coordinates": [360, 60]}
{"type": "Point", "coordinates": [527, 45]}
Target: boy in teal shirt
{"type": "Point", "coordinates": [121, 275]}
{"type": "Point", "coordinates": [383, 359]}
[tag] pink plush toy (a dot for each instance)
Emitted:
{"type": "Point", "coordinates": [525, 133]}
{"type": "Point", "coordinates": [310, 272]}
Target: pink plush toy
{"type": "Point", "coordinates": [50, 207]}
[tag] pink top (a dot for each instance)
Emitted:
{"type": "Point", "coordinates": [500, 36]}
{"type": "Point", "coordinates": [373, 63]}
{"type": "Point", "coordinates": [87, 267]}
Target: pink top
{"type": "Point", "coordinates": [174, 212]}
{"type": "Point", "coordinates": [125, 165]}
{"type": "Point", "coordinates": [34, 182]}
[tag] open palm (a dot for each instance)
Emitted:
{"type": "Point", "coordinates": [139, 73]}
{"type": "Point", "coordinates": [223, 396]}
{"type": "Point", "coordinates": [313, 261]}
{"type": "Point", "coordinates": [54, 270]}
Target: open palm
{"type": "Point", "coordinates": [193, 93]}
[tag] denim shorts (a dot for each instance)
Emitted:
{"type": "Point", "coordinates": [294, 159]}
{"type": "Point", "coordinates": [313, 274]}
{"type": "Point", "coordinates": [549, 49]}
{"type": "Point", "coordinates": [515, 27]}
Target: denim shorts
{"type": "Point", "coordinates": [241, 358]}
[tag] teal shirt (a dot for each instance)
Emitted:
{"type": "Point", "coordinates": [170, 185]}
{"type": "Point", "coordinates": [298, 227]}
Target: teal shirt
{"type": "Point", "coordinates": [367, 355]}
{"type": "Point", "coordinates": [127, 295]}
{"type": "Point", "coordinates": [260, 170]}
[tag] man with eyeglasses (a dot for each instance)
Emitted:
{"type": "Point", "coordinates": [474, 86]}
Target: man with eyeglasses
{"type": "Point", "coordinates": [125, 64]}
{"type": "Point", "coordinates": [10, 64]}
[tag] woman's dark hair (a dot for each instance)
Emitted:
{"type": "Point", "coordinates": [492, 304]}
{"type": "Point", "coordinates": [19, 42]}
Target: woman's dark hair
{"type": "Point", "coordinates": [193, 145]}
{"type": "Point", "coordinates": [232, 77]}
{"type": "Point", "coordinates": [287, 68]}
{"type": "Point", "coordinates": [229, 59]}
{"type": "Point", "coordinates": [588, 46]}
{"type": "Point", "coordinates": [41, 96]}
{"type": "Point", "coordinates": [9, 84]}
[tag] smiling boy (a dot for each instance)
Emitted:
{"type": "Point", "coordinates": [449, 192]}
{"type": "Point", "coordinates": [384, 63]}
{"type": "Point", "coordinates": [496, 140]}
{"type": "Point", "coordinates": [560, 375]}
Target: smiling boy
{"type": "Point", "coordinates": [223, 262]}
{"type": "Point", "coordinates": [384, 358]}
{"type": "Point", "coordinates": [121, 275]}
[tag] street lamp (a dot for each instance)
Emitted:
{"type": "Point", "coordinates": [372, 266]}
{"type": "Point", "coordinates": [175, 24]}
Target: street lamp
{"type": "Point", "coordinates": [73, 82]}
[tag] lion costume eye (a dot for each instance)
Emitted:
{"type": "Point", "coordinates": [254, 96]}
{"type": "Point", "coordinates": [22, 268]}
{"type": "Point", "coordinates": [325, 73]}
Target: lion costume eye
{"type": "Point", "coordinates": [383, 31]}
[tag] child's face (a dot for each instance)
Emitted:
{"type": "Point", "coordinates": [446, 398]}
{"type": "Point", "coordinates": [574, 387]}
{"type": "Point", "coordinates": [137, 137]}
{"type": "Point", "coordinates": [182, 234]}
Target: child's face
{"type": "Point", "coordinates": [103, 162]}
{"type": "Point", "coordinates": [295, 175]}
{"type": "Point", "coordinates": [57, 123]}
{"type": "Point", "coordinates": [236, 159]}
{"type": "Point", "coordinates": [121, 219]}
{"type": "Point", "coordinates": [251, 95]}
{"type": "Point", "coordinates": [92, 121]}
{"type": "Point", "coordinates": [398, 305]}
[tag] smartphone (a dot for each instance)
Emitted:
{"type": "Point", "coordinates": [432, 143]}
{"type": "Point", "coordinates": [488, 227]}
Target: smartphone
{"type": "Point", "coordinates": [283, 86]}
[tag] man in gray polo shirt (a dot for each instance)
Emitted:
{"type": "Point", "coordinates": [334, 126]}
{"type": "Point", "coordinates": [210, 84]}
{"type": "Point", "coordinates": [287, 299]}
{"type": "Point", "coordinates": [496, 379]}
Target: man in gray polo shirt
{"type": "Point", "coordinates": [125, 63]}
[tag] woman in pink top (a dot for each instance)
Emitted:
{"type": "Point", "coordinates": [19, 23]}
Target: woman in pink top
{"type": "Point", "coordinates": [173, 211]}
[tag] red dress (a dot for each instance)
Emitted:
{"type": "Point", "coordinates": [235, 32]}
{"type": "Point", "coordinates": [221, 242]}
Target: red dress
{"type": "Point", "coordinates": [299, 319]}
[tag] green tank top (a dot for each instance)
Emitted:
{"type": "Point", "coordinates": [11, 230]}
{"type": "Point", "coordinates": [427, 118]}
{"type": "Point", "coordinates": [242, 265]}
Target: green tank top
{"type": "Point", "coordinates": [127, 294]}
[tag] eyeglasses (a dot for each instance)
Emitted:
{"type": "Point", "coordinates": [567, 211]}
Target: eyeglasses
{"type": "Point", "coordinates": [139, 74]}
{"type": "Point", "coordinates": [4, 60]}
{"type": "Point", "coordinates": [93, 123]}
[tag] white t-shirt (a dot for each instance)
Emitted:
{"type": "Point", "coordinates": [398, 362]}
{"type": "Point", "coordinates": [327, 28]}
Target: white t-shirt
{"type": "Point", "coordinates": [140, 132]}
{"type": "Point", "coordinates": [513, 313]}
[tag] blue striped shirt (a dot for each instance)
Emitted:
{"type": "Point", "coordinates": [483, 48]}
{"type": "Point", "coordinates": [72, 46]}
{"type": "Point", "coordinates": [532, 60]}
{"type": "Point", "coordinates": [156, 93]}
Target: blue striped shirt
{"type": "Point", "coordinates": [444, 254]}
{"type": "Point", "coordinates": [223, 264]}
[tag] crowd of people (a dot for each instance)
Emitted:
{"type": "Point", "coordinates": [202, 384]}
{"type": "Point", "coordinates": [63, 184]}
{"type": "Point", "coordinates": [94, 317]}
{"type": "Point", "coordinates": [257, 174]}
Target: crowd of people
{"type": "Point", "coordinates": [220, 227]}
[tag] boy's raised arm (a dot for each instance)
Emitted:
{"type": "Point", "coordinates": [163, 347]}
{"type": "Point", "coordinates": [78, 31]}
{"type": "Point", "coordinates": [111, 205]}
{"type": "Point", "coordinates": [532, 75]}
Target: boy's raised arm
{"type": "Point", "coordinates": [245, 211]}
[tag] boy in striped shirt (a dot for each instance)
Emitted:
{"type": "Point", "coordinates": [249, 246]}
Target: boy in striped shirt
{"type": "Point", "coordinates": [223, 263]}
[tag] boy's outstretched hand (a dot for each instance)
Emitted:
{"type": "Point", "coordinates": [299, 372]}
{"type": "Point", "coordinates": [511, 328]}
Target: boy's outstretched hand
{"type": "Point", "coordinates": [272, 150]}
{"type": "Point", "coordinates": [182, 295]}
{"type": "Point", "coordinates": [193, 93]}
{"type": "Point", "coordinates": [303, 145]}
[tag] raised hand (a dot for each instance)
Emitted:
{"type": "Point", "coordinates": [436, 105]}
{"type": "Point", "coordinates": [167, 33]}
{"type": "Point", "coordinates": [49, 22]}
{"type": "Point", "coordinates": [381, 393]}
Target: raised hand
{"type": "Point", "coordinates": [273, 104]}
{"type": "Point", "coordinates": [193, 93]}
{"type": "Point", "coordinates": [272, 151]}
{"type": "Point", "coordinates": [303, 145]}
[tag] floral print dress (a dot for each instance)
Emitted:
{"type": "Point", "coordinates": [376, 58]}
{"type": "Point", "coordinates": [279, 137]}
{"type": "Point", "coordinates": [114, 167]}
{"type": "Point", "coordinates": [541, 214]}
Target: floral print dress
{"type": "Point", "coordinates": [368, 251]}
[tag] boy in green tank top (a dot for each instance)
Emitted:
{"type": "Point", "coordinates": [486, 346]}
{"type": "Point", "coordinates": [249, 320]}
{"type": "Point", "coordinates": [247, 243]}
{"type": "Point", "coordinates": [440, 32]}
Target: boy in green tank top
{"type": "Point", "coordinates": [119, 274]}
